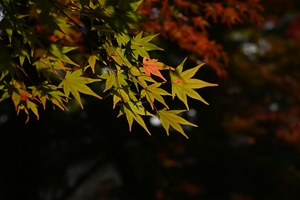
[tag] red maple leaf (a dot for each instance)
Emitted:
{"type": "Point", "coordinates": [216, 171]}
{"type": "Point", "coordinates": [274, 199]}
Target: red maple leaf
{"type": "Point", "coordinates": [152, 67]}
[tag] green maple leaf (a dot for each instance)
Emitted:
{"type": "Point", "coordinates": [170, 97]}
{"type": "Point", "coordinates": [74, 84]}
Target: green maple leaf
{"type": "Point", "coordinates": [123, 94]}
{"type": "Point", "coordinates": [142, 45]}
{"type": "Point", "coordinates": [75, 83]}
{"type": "Point", "coordinates": [170, 118]}
{"type": "Point", "coordinates": [183, 84]}
{"type": "Point", "coordinates": [49, 67]}
{"type": "Point", "coordinates": [153, 92]}
{"type": "Point", "coordinates": [26, 106]}
{"type": "Point", "coordinates": [138, 76]}
{"type": "Point", "coordinates": [51, 93]}
{"type": "Point", "coordinates": [114, 79]}
{"type": "Point", "coordinates": [21, 53]}
{"type": "Point", "coordinates": [20, 97]}
{"type": "Point", "coordinates": [122, 39]}
{"type": "Point", "coordinates": [133, 111]}
{"type": "Point", "coordinates": [93, 58]}
{"type": "Point", "coordinates": [60, 52]}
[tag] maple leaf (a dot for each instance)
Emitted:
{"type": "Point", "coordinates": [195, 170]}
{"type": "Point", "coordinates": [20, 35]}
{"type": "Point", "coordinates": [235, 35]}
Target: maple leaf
{"type": "Point", "coordinates": [256, 4]}
{"type": "Point", "coordinates": [170, 118]}
{"type": "Point", "coordinates": [230, 16]}
{"type": "Point", "coordinates": [183, 84]}
{"type": "Point", "coordinates": [92, 60]}
{"type": "Point", "coordinates": [49, 66]}
{"type": "Point", "coordinates": [200, 22]}
{"type": "Point", "coordinates": [140, 45]}
{"type": "Point", "coordinates": [75, 83]}
{"type": "Point", "coordinates": [123, 94]}
{"type": "Point", "coordinates": [138, 77]}
{"type": "Point", "coordinates": [255, 17]}
{"type": "Point", "coordinates": [60, 52]}
{"type": "Point", "coordinates": [133, 111]}
{"type": "Point", "coordinates": [114, 79]}
{"type": "Point", "coordinates": [153, 67]}
{"type": "Point", "coordinates": [20, 97]}
{"type": "Point", "coordinates": [153, 92]}
{"type": "Point", "coordinates": [51, 93]}
{"type": "Point", "coordinates": [213, 10]}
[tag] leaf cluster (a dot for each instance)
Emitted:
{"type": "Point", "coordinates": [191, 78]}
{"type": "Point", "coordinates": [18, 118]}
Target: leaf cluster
{"type": "Point", "coordinates": [71, 44]}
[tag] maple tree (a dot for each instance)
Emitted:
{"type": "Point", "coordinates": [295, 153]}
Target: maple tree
{"type": "Point", "coordinates": [188, 23]}
{"type": "Point", "coordinates": [243, 150]}
{"type": "Point", "coordinates": [52, 51]}
{"type": "Point", "coordinates": [269, 53]}
{"type": "Point", "coordinates": [259, 101]}
{"type": "Point", "coordinates": [191, 25]}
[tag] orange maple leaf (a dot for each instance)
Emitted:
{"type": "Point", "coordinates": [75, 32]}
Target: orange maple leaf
{"type": "Point", "coordinates": [152, 67]}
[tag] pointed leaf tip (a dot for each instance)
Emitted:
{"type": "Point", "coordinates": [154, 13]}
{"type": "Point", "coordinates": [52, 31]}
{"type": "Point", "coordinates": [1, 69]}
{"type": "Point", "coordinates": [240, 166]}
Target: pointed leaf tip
{"type": "Point", "coordinates": [184, 85]}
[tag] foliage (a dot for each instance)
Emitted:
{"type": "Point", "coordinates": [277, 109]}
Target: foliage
{"type": "Point", "coordinates": [192, 25]}
{"type": "Point", "coordinates": [270, 56]}
{"type": "Point", "coordinates": [243, 151]}
{"type": "Point", "coordinates": [52, 50]}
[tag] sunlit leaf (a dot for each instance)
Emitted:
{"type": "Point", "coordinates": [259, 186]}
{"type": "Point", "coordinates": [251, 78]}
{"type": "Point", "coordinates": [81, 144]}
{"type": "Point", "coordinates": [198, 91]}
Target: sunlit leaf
{"type": "Point", "coordinates": [74, 83]}
{"type": "Point", "coordinates": [92, 60]}
{"type": "Point", "coordinates": [170, 118]}
{"type": "Point", "coordinates": [21, 98]}
{"type": "Point", "coordinates": [153, 92]}
{"type": "Point", "coordinates": [183, 84]}
{"type": "Point", "coordinates": [133, 110]}
{"type": "Point", "coordinates": [142, 45]}
{"type": "Point", "coordinates": [51, 93]}
{"type": "Point", "coordinates": [152, 67]}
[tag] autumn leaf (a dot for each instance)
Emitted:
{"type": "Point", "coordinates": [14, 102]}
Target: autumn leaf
{"type": "Point", "coordinates": [49, 67]}
{"type": "Point", "coordinates": [114, 79]}
{"type": "Point", "coordinates": [183, 84]}
{"type": "Point", "coordinates": [133, 110]}
{"type": "Point", "coordinates": [21, 53]}
{"type": "Point", "coordinates": [200, 22]}
{"type": "Point", "coordinates": [60, 52]}
{"type": "Point", "coordinates": [213, 10]}
{"type": "Point", "coordinates": [141, 45]}
{"type": "Point", "coordinates": [75, 83]}
{"type": "Point", "coordinates": [230, 16]}
{"type": "Point", "coordinates": [153, 67]}
{"type": "Point", "coordinates": [106, 32]}
{"type": "Point", "coordinates": [153, 92]}
{"type": "Point", "coordinates": [170, 118]}
{"type": "Point", "coordinates": [123, 94]}
{"type": "Point", "coordinates": [20, 97]}
{"type": "Point", "coordinates": [51, 93]}
{"type": "Point", "coordinates": [26, 106]}
{"type": "Point", "coordinates": [93, 58]}
{"type": "Point", "coordinates": [139, 77]}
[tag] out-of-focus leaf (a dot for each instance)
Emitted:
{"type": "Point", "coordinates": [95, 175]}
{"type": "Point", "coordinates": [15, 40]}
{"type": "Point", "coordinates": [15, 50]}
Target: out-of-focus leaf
{"type": "Point", "coordinates": [59, 52]}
